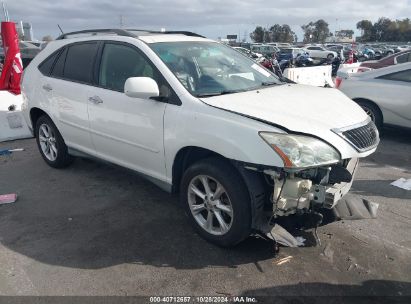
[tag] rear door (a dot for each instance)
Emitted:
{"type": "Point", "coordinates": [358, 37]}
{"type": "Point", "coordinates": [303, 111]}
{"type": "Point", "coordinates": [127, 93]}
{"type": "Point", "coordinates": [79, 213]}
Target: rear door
{"type": "Point", "coordinates": [69, 84]}
{"type": "Point", "coordinates": [127, 131]}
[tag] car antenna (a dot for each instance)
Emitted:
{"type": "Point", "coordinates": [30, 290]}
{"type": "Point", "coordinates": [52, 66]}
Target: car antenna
{"type": "Point", "coordinates": [60, 28]}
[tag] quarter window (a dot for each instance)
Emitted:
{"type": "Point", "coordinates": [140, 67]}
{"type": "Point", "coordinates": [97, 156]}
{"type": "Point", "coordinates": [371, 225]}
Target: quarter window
{"type": "Point", "coordinates": [46, 66]}
{"type": "Point", "coordinates": [59, 65]}
{"type": "Point", "coordinates": [402, 58]}
{"type": "Point", "coordinates": [399, 76]}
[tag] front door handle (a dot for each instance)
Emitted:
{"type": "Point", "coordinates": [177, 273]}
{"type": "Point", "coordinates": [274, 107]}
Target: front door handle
{"type": "Point", "coordinates": [95, 99]}
{"type": "Point", "coordinates": [47, 87]}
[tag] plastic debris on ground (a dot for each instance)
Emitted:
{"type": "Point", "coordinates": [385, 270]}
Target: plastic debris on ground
{"type": "Point", "coordinates": [8, 198]}
{"type": "Point", "coordinates": [283, 260]}
{"type": "Point", "coordinates": [283, 237]}
{"type": "Point", "coordinates": [9, 151]}
{"type": "Point", "coordinates": [402, 183]}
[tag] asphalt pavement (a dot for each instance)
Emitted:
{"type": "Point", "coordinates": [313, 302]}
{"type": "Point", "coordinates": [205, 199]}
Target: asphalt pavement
{"type": "Point", "coordinates": [96, 229]}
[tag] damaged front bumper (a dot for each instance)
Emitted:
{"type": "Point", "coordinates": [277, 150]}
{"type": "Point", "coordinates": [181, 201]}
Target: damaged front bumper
{"type": "Point", "coordinates": [304, 199]}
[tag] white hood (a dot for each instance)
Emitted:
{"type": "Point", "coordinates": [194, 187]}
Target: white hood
{"type": "Point", "coordinates": [298, 108]}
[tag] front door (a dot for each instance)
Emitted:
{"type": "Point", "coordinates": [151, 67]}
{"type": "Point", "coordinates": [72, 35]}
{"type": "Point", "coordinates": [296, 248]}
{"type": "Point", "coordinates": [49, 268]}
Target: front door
{"type": "Point", "coordinates": [126, 131]}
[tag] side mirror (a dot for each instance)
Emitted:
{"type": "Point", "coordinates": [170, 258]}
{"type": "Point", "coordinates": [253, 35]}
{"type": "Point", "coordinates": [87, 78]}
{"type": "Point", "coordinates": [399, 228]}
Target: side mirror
{"type": "Point", "coordinates": [141, 87]}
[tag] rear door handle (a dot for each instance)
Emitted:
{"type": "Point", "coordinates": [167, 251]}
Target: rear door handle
{"type": "Point", "coordinates": [47, 87]}
{"type": "Point", "coordinates": [95, 99]}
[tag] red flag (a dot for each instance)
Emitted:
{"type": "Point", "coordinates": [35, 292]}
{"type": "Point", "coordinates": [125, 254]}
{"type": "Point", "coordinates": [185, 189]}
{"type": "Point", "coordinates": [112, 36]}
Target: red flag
{"type": "Point", "coordinates": [13, 66]}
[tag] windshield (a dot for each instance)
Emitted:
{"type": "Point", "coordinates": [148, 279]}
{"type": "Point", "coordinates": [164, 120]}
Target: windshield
{"type": "Point", "coordinates": [210, 68]}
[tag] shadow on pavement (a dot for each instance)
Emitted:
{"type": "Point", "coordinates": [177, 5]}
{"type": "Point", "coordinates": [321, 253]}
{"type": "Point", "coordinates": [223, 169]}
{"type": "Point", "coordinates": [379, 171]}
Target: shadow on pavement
{"type": "Point", "coordinates": [113, 217]}
{"type": "Point", "coordinates": [377, 291]}
{"type": "Point", "coordinates": [394, 149]}
{"type": "Point", "coordinates": [379, 188]}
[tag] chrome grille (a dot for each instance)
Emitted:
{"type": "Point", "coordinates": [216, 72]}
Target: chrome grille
{"type": "Point", "coordinates": [362, 138]}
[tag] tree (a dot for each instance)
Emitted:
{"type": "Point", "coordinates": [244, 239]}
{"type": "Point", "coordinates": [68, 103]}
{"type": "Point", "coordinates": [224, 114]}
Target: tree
{"type": "Point", "coordinates": [287, 35]}
{"type": "Point", "coordinates": [258, 34]}
{"type": "Point", "coordinates": [316, 31]}
{"type": "Point", "coordinates": [382, 29]}
{"type": "Point", "coordinates": [366, 28]}
{"type": "Point", "coordinates": [345, 33]}
{"type": "Point", "coordinates": [276, 33]}
{"type": "Point", "coordinates": [47, 38]}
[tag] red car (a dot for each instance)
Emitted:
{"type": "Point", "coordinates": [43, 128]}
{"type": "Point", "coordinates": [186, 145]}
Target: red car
{"type": "Point", "coordinates": [397, 58]}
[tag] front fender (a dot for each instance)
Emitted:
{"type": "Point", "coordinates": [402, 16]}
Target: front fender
{"type": "Point", "coordinates": [231, 135]}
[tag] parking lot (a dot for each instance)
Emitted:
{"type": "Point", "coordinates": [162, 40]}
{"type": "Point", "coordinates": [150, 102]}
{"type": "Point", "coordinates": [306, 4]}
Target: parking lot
{"type": "Point", "coordinates": [96, 229]}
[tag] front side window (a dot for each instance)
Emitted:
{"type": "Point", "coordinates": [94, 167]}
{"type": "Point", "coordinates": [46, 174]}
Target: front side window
{"type": "Point", "coordinates": [398, 76]}
{"type": "Point", "coordinates": [210, 68]}
{"type": "Point", "coordinates": [120, 62]}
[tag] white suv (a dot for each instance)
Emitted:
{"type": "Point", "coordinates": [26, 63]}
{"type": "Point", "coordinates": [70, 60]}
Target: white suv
{"type": "Point", "coordinates": [194, 116]}
{"type": "Point", "coordinates": [320, 52]}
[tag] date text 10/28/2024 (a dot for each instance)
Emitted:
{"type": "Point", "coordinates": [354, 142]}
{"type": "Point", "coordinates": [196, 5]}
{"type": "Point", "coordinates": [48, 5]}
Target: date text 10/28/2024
{"type": "Point", "coordinates": [205, 299]}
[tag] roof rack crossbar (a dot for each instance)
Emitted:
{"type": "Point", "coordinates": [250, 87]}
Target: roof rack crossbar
{"type": "Point", "coordinates": [119, 32]}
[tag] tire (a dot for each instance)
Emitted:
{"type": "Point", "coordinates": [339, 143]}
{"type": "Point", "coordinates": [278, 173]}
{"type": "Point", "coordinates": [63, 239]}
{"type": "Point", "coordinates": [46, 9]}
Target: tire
{"type": "Point", "coordinates": [330, 56]}
{"type": "Point", "coordinates": [49, 139]}
{"type": "Point", "coordinates": [373, 112]}
{"type": "Point", "coordinates": [389, 53]}
{"type": "Point", "coordinates": [234, 196]}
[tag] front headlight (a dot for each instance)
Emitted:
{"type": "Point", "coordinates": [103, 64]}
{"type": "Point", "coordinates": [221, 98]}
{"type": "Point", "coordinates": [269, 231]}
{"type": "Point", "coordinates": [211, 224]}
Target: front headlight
{"type": "Point", "coordinates": [298, 151]}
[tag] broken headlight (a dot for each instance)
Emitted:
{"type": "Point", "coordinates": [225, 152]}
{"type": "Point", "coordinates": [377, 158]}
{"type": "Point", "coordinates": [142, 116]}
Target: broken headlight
{"type": "Point", "coordinates": [298, 151]}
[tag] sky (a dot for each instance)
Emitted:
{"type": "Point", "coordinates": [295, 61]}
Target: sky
{"type": "Point", "coordinates": [211, 18]}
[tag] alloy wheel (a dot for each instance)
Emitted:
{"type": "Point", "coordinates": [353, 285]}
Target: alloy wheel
{"type": "Point", "coordinates": [369, 112]}
{"type": "Point", "coordinates": [47, 141]}
{"type": "Point", "coordinates": [210, 205]}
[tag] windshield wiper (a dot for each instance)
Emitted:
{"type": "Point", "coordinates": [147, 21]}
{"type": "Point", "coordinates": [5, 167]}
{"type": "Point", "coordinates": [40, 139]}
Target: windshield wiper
{"type": "Point", "coordinates": [267, 83]}
{"type": "Point", "coordinates": [217, 93]}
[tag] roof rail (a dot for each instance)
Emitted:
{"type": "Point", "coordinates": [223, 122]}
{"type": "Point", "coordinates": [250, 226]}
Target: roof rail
{"type": "Point", "coordinates": [93, 32]}
{"type": "Point", "coordinates": [126, 32]}
{"type": "Point", "coordinates": [186, 33]}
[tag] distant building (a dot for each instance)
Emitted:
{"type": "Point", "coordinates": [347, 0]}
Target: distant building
{"type": "Point", "coordinates": [25, 31]}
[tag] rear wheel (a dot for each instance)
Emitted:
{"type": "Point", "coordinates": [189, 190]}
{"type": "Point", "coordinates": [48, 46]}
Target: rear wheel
{"type": "Point", "coordinates": [217, 202]}
{"type": "Point", "coordinates": [330, 56]}
{"type": "Point", "coordinates": [51, 144]}
{"type": "Point", "coordinates": [373, 112]}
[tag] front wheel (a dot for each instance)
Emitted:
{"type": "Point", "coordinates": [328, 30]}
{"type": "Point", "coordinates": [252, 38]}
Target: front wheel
{"type": "Point", "coordinates": [373, 112]}
{"type": "Point", "coordinates": [51, 144]}
{"type": "Point", "coordinates": [217, 202]}
{"type": "Point", "coordinates": [330, 56]}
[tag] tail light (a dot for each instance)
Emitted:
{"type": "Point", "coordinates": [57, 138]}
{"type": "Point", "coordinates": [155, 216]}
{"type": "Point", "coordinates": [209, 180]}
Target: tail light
{"type": "Point", "coordinates": [338, 81]}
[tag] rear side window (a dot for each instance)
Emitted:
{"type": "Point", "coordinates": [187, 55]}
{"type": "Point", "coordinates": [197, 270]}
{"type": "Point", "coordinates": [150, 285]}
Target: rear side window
{"type": "Point", "coordinates": [79, 62]}
{"type": "Point", "coordinates": [399, 76]}
{"type": "Point", "coordinates": [46, 66]}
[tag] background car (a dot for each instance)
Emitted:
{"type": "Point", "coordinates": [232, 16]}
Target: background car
{"type": "Point", "coordinates": [397, 58]}
{"type": "Point", "coordinates": [268, 51]}
{"type": "Point", "coordinates": [28, 51]}
{"type": "Point", "coordinates": [247, 52]}
{"type": "Point", "coordinates": [384, 94]}
{"type": "Point", "coordinates": [320, 52]}
{"type": "Point", "coordinates": [289, 53]}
